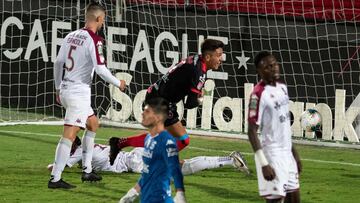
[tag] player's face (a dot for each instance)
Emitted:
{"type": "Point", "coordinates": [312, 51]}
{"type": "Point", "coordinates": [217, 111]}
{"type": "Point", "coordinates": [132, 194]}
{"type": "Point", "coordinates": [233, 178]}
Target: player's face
{"type": "Point", "coordinates": [149, 118]}
{"type": "Point", "coordinates": [269, 69]}
{"type": "Point", "coordinates": [100, 21]}
{"type": "Point", "coordinates": [213, 59]}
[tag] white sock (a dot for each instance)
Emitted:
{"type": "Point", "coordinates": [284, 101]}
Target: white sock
{"type": "Point", "coordinates": [88, 148]}
{"type": "Point", "coordinates": [200, 163]}
{"type": "Point", "coordinates": [62, 154]}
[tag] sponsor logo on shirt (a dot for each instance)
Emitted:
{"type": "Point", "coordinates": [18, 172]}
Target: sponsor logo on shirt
{"type": "Point", "coordinates": [99, 46]}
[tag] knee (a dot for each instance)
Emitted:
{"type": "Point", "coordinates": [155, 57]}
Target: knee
{"type": "Point", "coordinates": [92, 124]}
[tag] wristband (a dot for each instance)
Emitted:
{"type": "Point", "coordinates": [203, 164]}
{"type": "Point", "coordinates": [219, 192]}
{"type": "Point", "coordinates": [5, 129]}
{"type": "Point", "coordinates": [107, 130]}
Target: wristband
{"type": "Point", "coordinates": [259, 154]}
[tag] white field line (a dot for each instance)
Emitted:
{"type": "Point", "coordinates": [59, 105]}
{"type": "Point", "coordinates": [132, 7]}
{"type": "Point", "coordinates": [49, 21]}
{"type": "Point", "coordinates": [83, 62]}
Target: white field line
{"type": "Point", "coordinates": [194, 148]}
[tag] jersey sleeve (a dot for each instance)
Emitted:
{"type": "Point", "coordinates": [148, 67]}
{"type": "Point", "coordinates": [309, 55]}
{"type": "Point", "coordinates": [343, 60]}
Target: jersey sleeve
{"type": "Point", "coordinates": [256, 109]}
{"type": "Point", "coordinates": [97, 57]}
{"type": "Point", "coordinates": [58, 66]}
{"type": "Point", "coordinates": [172, 160]}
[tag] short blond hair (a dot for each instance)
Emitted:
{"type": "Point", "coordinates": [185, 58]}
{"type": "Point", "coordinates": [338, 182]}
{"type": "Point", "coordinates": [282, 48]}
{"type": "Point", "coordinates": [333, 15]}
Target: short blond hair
{"type": "Point", "coordinates": [94, 10]}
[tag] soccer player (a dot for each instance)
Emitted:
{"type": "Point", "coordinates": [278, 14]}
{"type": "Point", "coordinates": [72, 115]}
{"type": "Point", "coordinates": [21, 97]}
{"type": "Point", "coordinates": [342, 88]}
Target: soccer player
{"type": "Point", "coordinates": [132, 161]}
{"type": "Point", "coordinates": [79, 55]}
{"type": "Point", "coordinates": [160, 158]}
{"type": "Point", "coordinates": [277, 162]}
{"type": "Point", "coordinates": [187, 78]}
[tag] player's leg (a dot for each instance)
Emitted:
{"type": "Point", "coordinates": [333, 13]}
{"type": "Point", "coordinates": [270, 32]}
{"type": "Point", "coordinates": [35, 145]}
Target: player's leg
{"type": "Point", "coordinates": [176, 129]}
{"type": "Point", "coordinates": [200, 163]}
{"type": "Point", "coordinates": [88, 140]}
{"type": "Point", "coordinates": [63, 148]}
{"type": "Point", "coordinates": [293, 197]}
{"type": "Point", "coordinates": [293, 185]}
{"type": "Point", "coordinates": [117, 143]}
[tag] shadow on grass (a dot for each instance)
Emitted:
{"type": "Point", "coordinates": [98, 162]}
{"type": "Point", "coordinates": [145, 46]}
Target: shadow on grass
{"type": "Point", "coordinates": [28, 137]}
{"type": "Point", "coordinates": [226, 194]}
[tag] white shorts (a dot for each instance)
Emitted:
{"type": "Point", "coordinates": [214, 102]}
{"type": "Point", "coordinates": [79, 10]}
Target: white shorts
{"type": "Point", "coordinates": [78, 107]}
{"type": "Point", "coordinates": [286, 180]}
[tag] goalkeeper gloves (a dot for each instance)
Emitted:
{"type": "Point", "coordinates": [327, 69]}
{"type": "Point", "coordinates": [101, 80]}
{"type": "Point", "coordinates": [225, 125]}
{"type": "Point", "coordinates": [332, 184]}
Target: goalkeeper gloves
{"type": "Point", "coordinates": [130, 196]}
{"type": "Point", "coordinates": [180, 197]}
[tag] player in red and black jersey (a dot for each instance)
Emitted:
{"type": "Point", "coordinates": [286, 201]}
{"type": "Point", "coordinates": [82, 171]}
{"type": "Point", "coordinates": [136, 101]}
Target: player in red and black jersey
{"type": "Point", "coordinates": [187, 78]}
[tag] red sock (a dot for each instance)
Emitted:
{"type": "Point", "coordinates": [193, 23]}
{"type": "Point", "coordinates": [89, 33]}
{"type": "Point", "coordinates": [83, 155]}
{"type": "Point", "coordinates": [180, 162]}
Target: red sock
{"type": "Point", "coordinates": [181, 144]}
{"type": "Point", "coordinates": [134, 141]}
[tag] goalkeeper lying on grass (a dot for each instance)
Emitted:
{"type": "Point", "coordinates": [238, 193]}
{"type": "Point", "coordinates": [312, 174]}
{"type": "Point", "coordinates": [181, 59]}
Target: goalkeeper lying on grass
{"type": "Point", "coordinates": [132, 161]}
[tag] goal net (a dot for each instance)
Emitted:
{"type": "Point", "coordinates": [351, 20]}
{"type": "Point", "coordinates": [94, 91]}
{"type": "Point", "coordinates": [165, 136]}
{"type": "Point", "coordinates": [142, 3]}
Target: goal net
{"type": "Point", "coordinates": [317, 44]}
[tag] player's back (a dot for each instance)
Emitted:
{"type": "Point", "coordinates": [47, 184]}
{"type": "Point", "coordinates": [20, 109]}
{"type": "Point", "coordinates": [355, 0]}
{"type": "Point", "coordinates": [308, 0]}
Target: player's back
{"type": "Point", "coordinates": [180, 80]}
{"type": "Point", "coordinates": [80, 50]}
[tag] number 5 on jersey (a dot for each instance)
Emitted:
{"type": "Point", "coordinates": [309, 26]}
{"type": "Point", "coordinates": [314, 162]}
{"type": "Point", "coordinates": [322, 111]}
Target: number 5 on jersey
{"type": "Point", "coordinates": [70, 59]}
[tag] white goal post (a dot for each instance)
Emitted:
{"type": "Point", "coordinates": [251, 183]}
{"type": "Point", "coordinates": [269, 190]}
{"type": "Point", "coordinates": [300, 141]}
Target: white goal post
{"type": "Point", "coordinates": [316, 44]}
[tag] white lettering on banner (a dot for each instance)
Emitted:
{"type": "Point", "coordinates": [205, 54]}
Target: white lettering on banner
{"type": "Point", "coordinates": [343, 118]}
{"type": "Point", "coordinates": [40, 42]}
{"type": "Point", "coordinates": [138, 55]}
{"type": "Point", "coordinates": [170, 54]}
{"type": "Point", "coordinates": [55, 41]}
{"type": "Point", "coordinates": [235, 106]}
{"type": "Point", "coordinates": [6, 23]}
{"type": "Point", "coordinates": [111, 46]}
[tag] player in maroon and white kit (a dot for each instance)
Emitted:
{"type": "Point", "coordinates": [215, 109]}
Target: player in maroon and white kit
{"type": "Point", "coordinates": [277, 162]}
{"type": "Point", "coordinates": [80, 54]}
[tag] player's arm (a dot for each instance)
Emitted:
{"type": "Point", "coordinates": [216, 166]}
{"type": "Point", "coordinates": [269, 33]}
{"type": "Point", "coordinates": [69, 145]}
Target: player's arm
{"type": "Point", "coordinates": [131, 195]}
{"type": "Point", "coordinates": [254, 119]}
{"type": "Point", "coordinates": [58, 71]}
{"type": "Point", "coordinates": [172, 162]}
{"type": "Point", "coordinates": [297, 159]}
{"type": "Point", "coordinates": [101, 69]}
{"type": "Point", "coordinates": [195, 94]}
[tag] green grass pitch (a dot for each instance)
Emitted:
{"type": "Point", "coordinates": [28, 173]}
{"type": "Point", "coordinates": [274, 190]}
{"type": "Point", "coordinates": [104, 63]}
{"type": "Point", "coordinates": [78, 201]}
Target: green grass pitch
{"type": "Point", "coordinates": [329, 174]}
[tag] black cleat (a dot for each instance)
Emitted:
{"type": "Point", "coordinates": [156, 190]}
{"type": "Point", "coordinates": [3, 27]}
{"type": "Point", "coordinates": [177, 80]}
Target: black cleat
{"type": "Point", "coordinates": [92, 177]}
{"type": "Point", "coordinates": [114, 149]}
{"type": "Point", "coordinates": [60, 184]}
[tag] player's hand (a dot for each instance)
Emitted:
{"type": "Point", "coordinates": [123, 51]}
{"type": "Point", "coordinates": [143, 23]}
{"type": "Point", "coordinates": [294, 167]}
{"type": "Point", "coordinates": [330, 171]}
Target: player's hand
{"type": "Point", "coordinates": [180, 197]}
{"type": "Point", "coordinates": [50, 167]}
{"type": "Point", "coordinates": [130, 196]}
{"type": "Point", "coordinates": [268, 173]}
{"type": "Point", "coordinates": [58, 96]}
{"type": "Point", "coordinates": [122, 85]}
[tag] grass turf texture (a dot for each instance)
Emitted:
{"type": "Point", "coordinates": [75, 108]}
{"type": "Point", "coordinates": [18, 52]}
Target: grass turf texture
{"type": "Point", "coordinates": [26, 150]}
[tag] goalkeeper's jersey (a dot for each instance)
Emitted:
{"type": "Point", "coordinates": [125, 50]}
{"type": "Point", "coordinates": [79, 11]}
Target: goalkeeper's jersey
{"type": "Point", "coordinates": [269, 109]}
{"type": "Point", "coordinates": [161, 163]}
{"type": "Point", "coordinates": [80, 54]}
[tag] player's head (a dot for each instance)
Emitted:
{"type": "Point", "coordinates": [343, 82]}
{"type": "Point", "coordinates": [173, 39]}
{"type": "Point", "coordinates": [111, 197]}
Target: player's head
{"type": "Point", "coordinates": [212, 51]}
{"type": "Point", "coordinates": [267, 67]}
{"type": "Point", "coordinates": [95, 13]}
{"type": "Point", "coordinates": [155, 111]}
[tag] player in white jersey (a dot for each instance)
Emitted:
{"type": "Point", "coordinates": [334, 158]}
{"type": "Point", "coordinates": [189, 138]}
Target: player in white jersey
{"type": "Point", "coordinates": [132, 161]}
{"type": "Point", "coordinates": [79, 56]}
{"type": "Point", "coordinates": [277, 162]}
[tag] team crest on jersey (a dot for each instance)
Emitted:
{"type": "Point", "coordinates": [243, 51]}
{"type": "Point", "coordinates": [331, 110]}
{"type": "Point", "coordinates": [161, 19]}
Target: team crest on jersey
{"type": "Point", "coordinates": [100, 47]}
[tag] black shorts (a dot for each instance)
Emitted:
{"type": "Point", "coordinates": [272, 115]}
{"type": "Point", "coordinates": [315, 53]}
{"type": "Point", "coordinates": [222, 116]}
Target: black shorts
{"type": "Point", "coordinates": [173, 116]}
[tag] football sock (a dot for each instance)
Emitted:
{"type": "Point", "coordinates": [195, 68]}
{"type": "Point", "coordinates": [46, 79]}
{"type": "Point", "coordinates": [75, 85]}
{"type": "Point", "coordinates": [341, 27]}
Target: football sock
{"type": "Point", "coordinates": [200, 163]}
{"type": "Point", "coordinates": [62, 154]}
{"type": "Point", "coordinates": [88, 148]}
{"type": "Point", "coordinates": [182, 141]}
{"type": "Point", "coordinates": [134, 141]}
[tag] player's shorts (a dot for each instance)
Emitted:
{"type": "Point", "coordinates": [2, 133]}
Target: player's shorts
{"type": "Point", "coordinates": [286, 180]}
{"type": "Point", "coordinates": [134, 160]}
{"type": "Point", "coordinates": [78, 107]}
{"type": "Point", "coordinates": [173, 116]}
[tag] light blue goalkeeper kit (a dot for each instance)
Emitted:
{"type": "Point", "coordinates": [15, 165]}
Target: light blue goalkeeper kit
{"type": "Point", "coordinates": [161, 164]}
